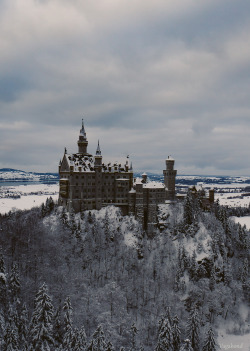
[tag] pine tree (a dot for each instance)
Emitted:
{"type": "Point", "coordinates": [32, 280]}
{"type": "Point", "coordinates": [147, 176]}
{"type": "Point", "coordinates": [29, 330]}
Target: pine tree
{"type": "Point", "coordinates": [244, 274]}
{"type": "Point", "coordinates": [165, 337]}
{"type": "Point", "coordinates": [176, 333]}
{"type": "Point", "coordinates": [98, 342]}
{"type": "Point", "coordinates": [3, 283]}
{"type": "Point", "coordinates": [78, 340]}
{"type": "Point", "coordinates": [14, 282]}
{"type": "Point", "coordinates": [23, 327]}
{"type": "Point", "coordinates": [75, 344]}
{"type": "Point", "coordinates": [2, 325]}
{"type": "Point", "coordinates": [64, 217]}
{"type": "Point", "coordinates": [68, 328]}
{"type": "Point", "coordinates": [11, 338]}
{"type": "Point", "coordinates": [83, 338]}
{"type": "Point", "coordinates": [168, 314]}
{"type": "Point", "coordinates": [209, 344]}
{"type": "Point", "coordinates": [41, 323]}
{"type": "Point", "coordinates": [193, 266]}
{"type": "Point", "coordinates": [212, 279]}
{"type": "Point", "coordinates": [188, 209]}
{"type": "Point", "coordinates": [133, 331]}
{"type": "Point", "coordinates": [57, 327]}
{"type": "Point", "coordinates": [186, 346]}
{"type": "Point", "coordinates": [109, 347]}
{"type": "Point", "coordinates": [193, 329]}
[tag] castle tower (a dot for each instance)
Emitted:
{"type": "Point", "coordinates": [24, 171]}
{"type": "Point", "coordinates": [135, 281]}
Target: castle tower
{"type": "Point", "coordinates": [82, 141]}
{"type": "Point", "coordinates": [98, 177]}
{"type": "Point", "coordinates": [169, 178]}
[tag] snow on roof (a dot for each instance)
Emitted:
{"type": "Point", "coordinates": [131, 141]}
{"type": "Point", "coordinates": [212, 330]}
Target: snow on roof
{"type": "Point", "coordinates": [153, 184]}
{"type": "Point", "coordinates": [170, 158]}
{"type": "Point", "coordinates": [144, 174]}
{"type": "Point", "coordinates": [137, 180]}
{"type": "Point", "coordinates": [149, 184]}
{"type": "Point", "coordinates": [86, 164]}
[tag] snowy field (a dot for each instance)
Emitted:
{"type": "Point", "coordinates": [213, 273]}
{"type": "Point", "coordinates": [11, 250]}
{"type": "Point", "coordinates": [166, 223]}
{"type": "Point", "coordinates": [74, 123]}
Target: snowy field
{"type": "Point", "coordinates": [233, 199]}
{"type": "Point", "coordinates": [233, 342]}
{"type": "Point", "coordinates": [243, 220]}
{"type": "Point", "coordinates": [24, 197]}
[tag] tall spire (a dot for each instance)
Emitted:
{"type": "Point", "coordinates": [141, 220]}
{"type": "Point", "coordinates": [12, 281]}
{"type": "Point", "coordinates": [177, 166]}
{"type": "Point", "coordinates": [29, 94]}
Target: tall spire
{"type": "Point", "coordinates": [98, 150]}
{"type": "Point", "coordinates": [82, 131]}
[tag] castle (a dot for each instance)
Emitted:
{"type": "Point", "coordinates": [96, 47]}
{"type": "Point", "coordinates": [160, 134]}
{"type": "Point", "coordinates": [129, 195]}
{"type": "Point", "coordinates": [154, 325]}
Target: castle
{"type": "Point", "coordinates": [87, 183]}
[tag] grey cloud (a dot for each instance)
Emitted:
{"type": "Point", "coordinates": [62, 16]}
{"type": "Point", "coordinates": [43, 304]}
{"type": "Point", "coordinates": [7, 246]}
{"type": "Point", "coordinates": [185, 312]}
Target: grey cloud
{"type": "Point", "coordinates": [148, 83]}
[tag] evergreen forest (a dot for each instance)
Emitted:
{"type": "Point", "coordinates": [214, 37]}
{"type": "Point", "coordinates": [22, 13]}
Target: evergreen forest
{"type": "Point", "coordinates": [95, 281]}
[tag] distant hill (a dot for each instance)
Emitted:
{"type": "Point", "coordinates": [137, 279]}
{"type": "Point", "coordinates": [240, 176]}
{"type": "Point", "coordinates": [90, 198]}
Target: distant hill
{"type": "Point", "coordinates": [189, 180]}
{"type": "Point", "coordinates": [16, 175]}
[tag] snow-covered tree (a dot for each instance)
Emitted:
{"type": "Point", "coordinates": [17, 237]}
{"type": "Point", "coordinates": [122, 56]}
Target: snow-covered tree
{"type": "Point", "coordinates": [188, 209]}
{"type": "Point", "coordinates": [186, 346]}
{"type": "Point", "coordinates": [41, 324]}
{"type": "Point", "coordinates": [2, 325]}
{"type": "Point", "coordinates": [193, 328]}
{"type": "Point", "coordinates": [212, 279]}
{"type": "Point", "coordinates": [176, 333]}
{"type": "Point", "coordinates": [82, 340]}
{"type": "Point", "coordinates": [68, 324]}
{"type": "Point", "coordinates": [23, 327]}
{"type": "Point", "coordinates": [14, 282]}
{"type": "Point", "coordinates": [57, 327]}
{"type": "Point", "coordinates": [165, 337]}
{"type": "Point", "coordinates": [3, 282]}
{"type": "Point", "coordinates": [11, 338]}
{"type": "Point", "coordinates": [193, 266]}
{"type": "Point", "coordinates": [133, 331]}
{"type": "Point", "coordinates": [78, 342]}
{"type": "Point", "coordinates": [244, 274]}
{"type": "Point", "coordinates": [110, 346]}
{"type": "Point", "coordinates": [98, 342]}
{"type": "Point", "coordinates": [209, 344]}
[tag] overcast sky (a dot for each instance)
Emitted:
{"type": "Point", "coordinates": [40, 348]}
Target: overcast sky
{"type": "Point", "coordinates": [151, 78]}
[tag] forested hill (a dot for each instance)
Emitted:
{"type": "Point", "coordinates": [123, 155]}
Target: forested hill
{"type": "Point", "coordinates": [95, 281]}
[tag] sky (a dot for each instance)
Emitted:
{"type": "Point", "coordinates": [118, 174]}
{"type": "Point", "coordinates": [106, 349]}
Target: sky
{"type": "Point", "coordinates": [150, 78]}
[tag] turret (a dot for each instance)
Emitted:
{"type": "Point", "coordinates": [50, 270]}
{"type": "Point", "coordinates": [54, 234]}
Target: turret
{"type": "Point", "coordinates": [169, 178]}
{"type": "Point", "coordinates": [98, 156]}
{"type": "Point", "coordinates": [98, 177]}
{"type": "Point", "coordinates": [82, 141]}
{"type": "Point", "coordinates": [144, 178]}
{"type": "Point", "coordinates": [211, 195]}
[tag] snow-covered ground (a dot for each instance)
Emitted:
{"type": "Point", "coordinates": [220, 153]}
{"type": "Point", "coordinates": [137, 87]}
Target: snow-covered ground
{"type": "Point", "coordinates": [243, 220]}
{"type": "Point", "coordinates": [233, 342]}
{"type": "Point", "coordinates": [24, 197]}
{"type": "Point", "coordinates": [233, 192]}
{"type": "Point", "coordinates": [233, 199]}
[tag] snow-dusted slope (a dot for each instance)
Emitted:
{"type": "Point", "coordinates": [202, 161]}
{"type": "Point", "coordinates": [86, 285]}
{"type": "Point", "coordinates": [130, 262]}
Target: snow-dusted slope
{"type": "Point", "coordinates": [9, 174]}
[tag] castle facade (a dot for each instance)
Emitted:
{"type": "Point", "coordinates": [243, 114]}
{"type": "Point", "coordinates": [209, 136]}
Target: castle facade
{"type": "Point", "coordinates": [87, 183]}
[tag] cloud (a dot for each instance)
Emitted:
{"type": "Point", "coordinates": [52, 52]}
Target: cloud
{"type": "Point", "coordinates": [150, 79]}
